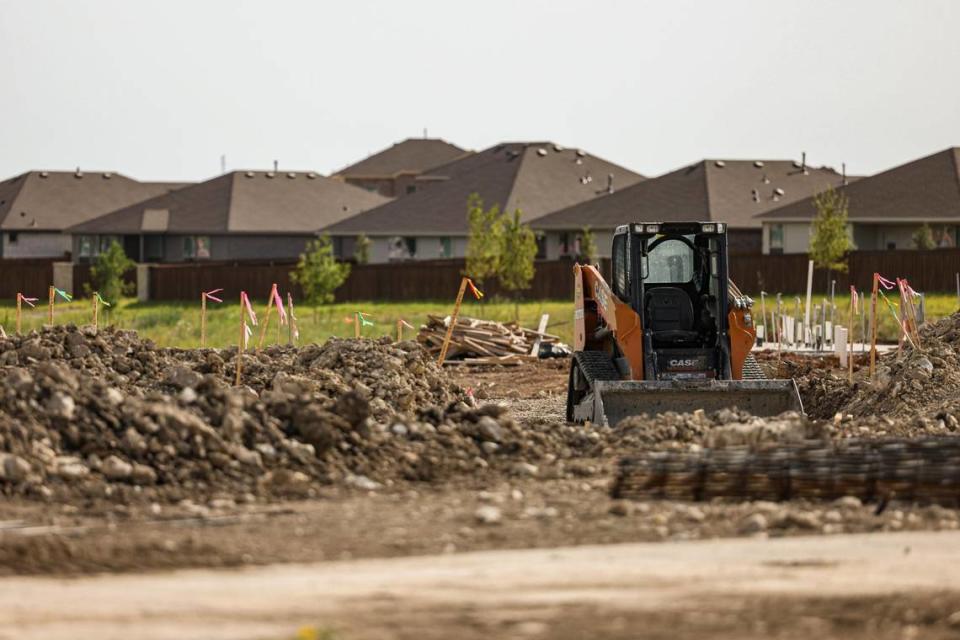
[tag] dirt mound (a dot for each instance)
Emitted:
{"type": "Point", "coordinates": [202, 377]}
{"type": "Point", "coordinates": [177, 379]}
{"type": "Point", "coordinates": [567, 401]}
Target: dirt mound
{"type": "Point", "coordinates": [108, 415]}
{"type": "Point", "coordinates": [913, 386]}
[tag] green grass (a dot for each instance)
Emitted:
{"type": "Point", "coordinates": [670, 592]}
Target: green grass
{"type": "Point", "coordinates": [176, 324]}
{"type": "Point", "coordinates": [172, 324]}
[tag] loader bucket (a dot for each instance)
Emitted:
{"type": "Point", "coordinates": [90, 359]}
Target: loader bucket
{"type": "Point", "coordinates": [611, 401]}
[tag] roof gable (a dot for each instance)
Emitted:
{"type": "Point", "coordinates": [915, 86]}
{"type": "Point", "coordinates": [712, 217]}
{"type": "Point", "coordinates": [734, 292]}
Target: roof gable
{"type": "Point", "coordinates": [413, 155]}
{"type": "Point", "coordinates": [535, 177]}
{"type": "Point", "coordinates": [925, 189]}
{"type": "Point", "coordinates": [731, 191]}
{"type": "Point", "coordinates": [242, 202]}
{"type": "Point", "coordinates": [56, 200]}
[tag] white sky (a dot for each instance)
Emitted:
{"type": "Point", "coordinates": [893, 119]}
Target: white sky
{"type": "Point", "coordinates": [159, 90]}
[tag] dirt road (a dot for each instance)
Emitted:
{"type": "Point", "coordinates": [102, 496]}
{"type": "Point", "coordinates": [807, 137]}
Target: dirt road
{"type": "Point", "coordinates": [873, 585]}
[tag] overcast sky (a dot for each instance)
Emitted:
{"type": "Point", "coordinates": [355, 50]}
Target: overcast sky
{"type": "Point", "coordinates": [161, 90]}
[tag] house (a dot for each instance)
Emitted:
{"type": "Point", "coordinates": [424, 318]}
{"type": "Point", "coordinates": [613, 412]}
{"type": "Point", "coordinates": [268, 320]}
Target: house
{"type": "Point", "coordinates": [534, 177]}
{"type": "Point", "coordinates": [38, 206]}
{"type": "Point", "coordinates": [403, 168]}
{"type": "Point", "coordinates": [884, 209]}
{"type": "Point", "coordinates": [730, 191]}
{"type": "Point", "coordinates": [235, 216]}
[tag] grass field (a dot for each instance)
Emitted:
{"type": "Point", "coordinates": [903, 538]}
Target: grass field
{"type": "Point", "coordinates": [178, 324]}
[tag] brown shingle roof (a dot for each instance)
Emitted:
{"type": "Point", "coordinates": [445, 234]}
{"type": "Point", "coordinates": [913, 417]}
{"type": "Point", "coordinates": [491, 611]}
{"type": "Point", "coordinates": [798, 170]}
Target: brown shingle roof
{"type": "Point", "coordinates": [536, 177]}
{"type": "Point", "coordinates": [56, 200]}
{"type": "Point", "coordinates": [925, 189]}
{"type": "Point", "coordinates": [413, 155]}
{"type": "Point", "coordinates": [242, 202]}
{"type": "Point", "coordinates": [731, 191]}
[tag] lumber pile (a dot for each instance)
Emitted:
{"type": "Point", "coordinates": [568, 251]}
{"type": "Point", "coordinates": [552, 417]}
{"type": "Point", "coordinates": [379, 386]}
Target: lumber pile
{"type": "Point", "coordinates": [477, 341]}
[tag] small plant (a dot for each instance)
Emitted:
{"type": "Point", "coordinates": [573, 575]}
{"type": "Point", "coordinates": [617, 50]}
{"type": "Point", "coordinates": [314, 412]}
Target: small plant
{"type": "Point", "coordinates": [831, 241]}
{"type": "Point", "coordinates": [319, 274]}
{"type": "Point", "coordinates": [588, 246]}
{"type": "Point", "coordinates": [923, 238]}
{"type": "Point", "coordinates": [361, 249]}
{"type": "Point", "coordinates": [484, 243]}
{"type": "Point", "coordinates": [518, 250]}
{"type": "Point", "coordinates": [107, 273]}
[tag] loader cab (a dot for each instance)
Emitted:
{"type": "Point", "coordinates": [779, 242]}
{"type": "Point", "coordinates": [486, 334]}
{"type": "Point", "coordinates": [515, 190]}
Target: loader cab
{"type": "Point", "coordinates": [674, 276]}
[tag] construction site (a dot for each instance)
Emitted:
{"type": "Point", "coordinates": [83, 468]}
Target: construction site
{"type": "Point", "coordinates": [123, 462]}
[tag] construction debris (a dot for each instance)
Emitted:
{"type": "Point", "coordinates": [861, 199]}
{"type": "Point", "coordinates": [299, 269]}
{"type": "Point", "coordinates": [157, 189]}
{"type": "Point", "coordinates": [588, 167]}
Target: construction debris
{"type": "Point", "coordinates": [476, 341]}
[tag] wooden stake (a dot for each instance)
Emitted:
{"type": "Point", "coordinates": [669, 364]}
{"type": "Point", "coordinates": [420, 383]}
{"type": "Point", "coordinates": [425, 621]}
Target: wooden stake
{"type": "Point", "coordinates": [19, 310]}
{"type": "Point", "coordinates": [399, 330]}
{"type": "Point", "coordinates": [266, 319]}
{"type": "Point", "coordinates": [356, 325]}
{"type": "Point", "coordinates": [243, 338]}
{"type": "Point", "coordinates": [453, 321]}
{"type": "Point", "coordinates": [289, 318]}
{"type": "Point", "coordinates": [96, 309]}
{"type": "Point", "coordinates": [873, 325]}
{"type": "Point", "coordinates": [50, 313]}
{"type": "Point", "coordinates": [903, 317]}
{"type": "Point", "coordinates": [203, 320]}
{"type": "Point", "coordinates": [853, 320]}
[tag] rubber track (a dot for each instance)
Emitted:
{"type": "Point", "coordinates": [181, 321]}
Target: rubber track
{"type": "Point", "coordinates": [596, 365]}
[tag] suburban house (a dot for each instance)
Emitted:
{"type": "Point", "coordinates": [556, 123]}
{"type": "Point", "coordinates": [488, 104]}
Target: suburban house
{"type": "Point", "coordinates": [730, 191]}
{"type": "Point", "coordinates": [534, 177]}
{"type": "Point", "coordinates": [38, 206]}
{"type": "Point", "coordinates": [236, 216]}
{"type": "Point", "coordinates": [403, 168]}
{"type": "Point", "coordinates": [884, 209]}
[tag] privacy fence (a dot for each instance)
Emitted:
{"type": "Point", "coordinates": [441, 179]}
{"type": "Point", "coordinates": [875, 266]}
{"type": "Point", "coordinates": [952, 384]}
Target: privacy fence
{"type": "Point", "coordinates": [931, 271]}
{"type": "Point", "coordinates": [421, 280]}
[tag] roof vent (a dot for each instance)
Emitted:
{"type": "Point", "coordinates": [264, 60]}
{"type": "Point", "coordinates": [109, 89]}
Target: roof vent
{"type": "Point", "coordinates": [311, 175]}
{"type": "Point", "coordinates": [587, 179]}
{"type": "Point", "coordinates": [579, 161]}
{"type": "Point", "coordinates": [719, 163]}
{"type": "Point", "coordinates": [581, 153]}
{"type": "Point", "coordinates": [766, 180]}
{"type": "Point", "coordinates": [270, 174]}
{"type": "Point", "coordinates": [291, 175]}
{"type": "Point", "coordinates": [107, 175]}
{"type": "Point", "coordinates": [44, 174]}
{"type": "Point", "coordinates": [249, 174]}
{"type": "Point", "coordinates": [78, 173]}
{"type": "Point", "coordinates": [758, 164]}
{"type": "Point", "coordinates": [796, 164]}
{"type": "Point", "coordinates": [609, 183]}
{"type": "Point", "coordinates": [778, 191]}
{"type": "Point", "coordinates": [512, 153]}
{"type": "Point", "coordinates": [557, 148]}
{"type": "Point", "coordinates": [756, 195]}
{"type": "Point", "coordinates": [541, 152]}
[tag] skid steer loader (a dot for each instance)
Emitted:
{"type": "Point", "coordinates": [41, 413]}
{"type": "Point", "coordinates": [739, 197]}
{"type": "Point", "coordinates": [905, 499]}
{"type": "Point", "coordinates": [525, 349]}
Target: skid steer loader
{"type": "Point", "coordinates": [672, 333]}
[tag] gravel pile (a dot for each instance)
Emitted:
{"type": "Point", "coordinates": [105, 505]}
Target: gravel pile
{"type": "Point", "coordinates": [106, 415]}
{"type": "Point", "coordinates": [917, 391]}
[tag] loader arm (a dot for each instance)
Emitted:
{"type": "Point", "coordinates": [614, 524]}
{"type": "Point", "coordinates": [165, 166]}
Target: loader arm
{"type": "Point", "coordinates": [600, 316]}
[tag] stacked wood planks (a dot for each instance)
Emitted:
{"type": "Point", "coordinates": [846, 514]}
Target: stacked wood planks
{"type": "Point", "coordinates": [477, 341]}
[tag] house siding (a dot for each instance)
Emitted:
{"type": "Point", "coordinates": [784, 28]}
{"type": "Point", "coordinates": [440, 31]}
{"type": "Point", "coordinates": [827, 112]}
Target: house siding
{"type": "Point", "coordinates": [35, 244]}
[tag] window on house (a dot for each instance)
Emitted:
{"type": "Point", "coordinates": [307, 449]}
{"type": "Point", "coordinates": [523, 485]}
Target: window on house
{"type": "Point", "coordinates": [153, 248]}
{"type": "Point", "coordinates": [87, 243]}
{"type": "Point", "coordinates": [12, 237]}
{"type": "Point", "coordinates": [411, 188]}
{"type": "Point", "coordinates": [106, 241]}
{"type": "Point", "coordinates": [564, 244]}
{"type": "Point", "coordinates": [891, 245]}
{"type": "Point", "coordinates": [776, 238]}
{"type": "Point", "coordinates": [402, 248]}
{"type": "Point", "coordinates": [196, 247]}
{"type": "Point", "coordinates": [541, 246]}
{"type": "Point", "coordinates": [446, 248]}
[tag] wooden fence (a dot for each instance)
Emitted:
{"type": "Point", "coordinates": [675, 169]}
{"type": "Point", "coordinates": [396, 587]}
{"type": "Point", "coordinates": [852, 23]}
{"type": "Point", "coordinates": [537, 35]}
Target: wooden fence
{"type": "Point", "coordinates": [933, 271]}
{"type": "Point", "coordinates": [31, 277]}
{"type": "Point", "coordinates": [419, 280]}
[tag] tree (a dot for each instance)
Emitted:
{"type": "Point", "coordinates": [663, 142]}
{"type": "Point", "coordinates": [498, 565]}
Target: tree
{"type": "Point", "coordinates": [830, 242]}
{"type": "Point", "coordinates": [518, 249]}
{"type": "Point", "coordinates": [923, 238]}
{"type": "Point", "coordinates": [318, 273]}
{"type": "Point", "coordinates": [588, 246]}
{"type": "Point", "coordinates": [485, 239]}
{"type": "Point", "coordinates": [107, 272]}
{"type": "Point", "coordinates": [361, 249]}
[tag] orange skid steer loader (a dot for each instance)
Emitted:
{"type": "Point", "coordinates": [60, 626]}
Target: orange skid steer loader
{"type": "Point", "coordinates": [672, 333]}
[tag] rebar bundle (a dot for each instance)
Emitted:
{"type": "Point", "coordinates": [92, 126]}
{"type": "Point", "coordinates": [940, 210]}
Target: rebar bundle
{"type": "Point", "coordinates": [922, 470]}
